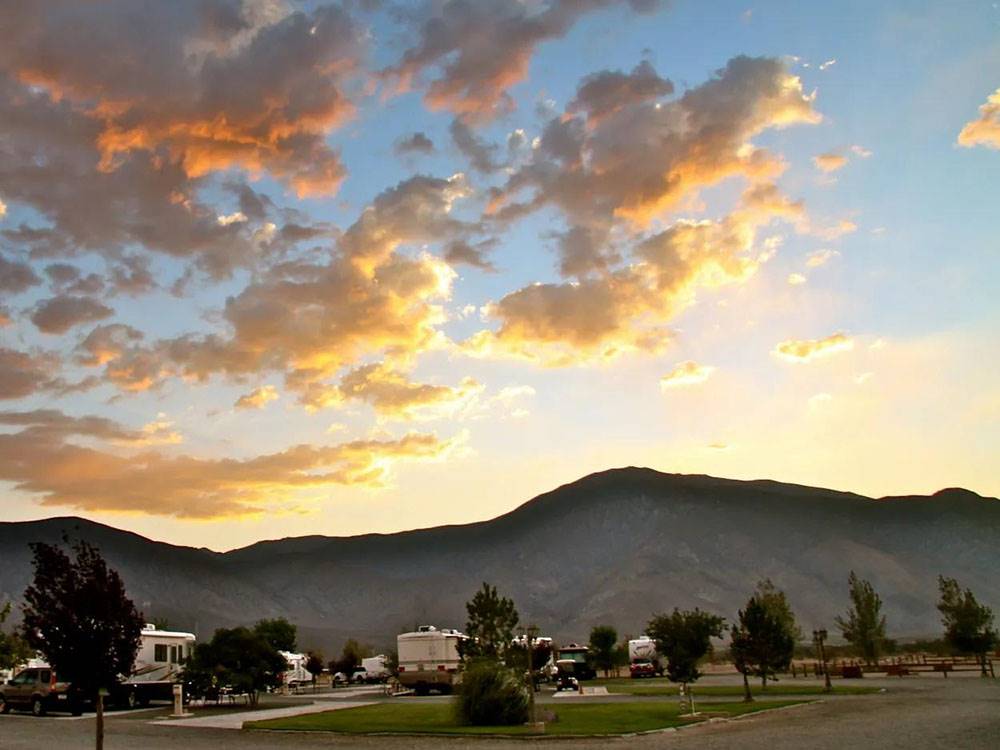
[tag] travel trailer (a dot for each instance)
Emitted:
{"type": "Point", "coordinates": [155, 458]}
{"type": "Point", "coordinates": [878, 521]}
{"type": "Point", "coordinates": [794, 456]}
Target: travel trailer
{"type": "Point", "coordinates": [429, 659]}
{"type": "Point", "coordinates": [296, 674]}
{"type": "Point", "coordinates": [643, 658]}
{"type": "Point", "coordinates": [373, 669]}
{"type": "Point", "coordinates": [158, 666]}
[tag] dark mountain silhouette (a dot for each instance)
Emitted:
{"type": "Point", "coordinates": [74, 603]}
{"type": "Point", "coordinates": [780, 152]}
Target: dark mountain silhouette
{"type": "Point", "coordinates": [612, 548]}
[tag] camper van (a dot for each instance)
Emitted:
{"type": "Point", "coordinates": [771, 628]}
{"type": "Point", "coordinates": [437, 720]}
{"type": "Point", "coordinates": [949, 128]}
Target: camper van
{"type": "Point", "coordinates": [296, 673]}
{"type": "Point", "coordinates": [643, 658]}
{"type": "Point", "coordinates": [158, 666]}
{"type": "Point", "coordinates": [429, 659]}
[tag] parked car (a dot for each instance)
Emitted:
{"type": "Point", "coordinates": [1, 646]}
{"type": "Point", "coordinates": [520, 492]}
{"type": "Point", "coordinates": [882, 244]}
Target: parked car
{"type": "Point", "coordinates": [40, 690]}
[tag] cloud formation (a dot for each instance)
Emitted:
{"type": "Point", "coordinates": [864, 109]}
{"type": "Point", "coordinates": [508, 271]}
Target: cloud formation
{"type": "Point", "coordinates": [685, 374]}
{"type": "Point", "coordinates": [829, 161]}
{"type": "Point", "coordinates": [55, 458]}
{"type": "Point", "coordinates": [258, 398]}
{"type": "Point", "coordinates": [984, 130]}
{"type": "Point", "coordinates": [475, 50]}
{"type": "Point", "coordinates": [58, 314]}
{"type": "Point", "coordinates": [806, 350]}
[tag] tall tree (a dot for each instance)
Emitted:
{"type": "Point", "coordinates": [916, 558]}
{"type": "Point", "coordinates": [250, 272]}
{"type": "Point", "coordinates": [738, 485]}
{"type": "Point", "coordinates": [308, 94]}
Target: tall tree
{"type": "Point", "coordinates": [776, 603]}
{"type": "Point", "coordinates": [603, 639]}
{"type": "Point", "coordinates": [968, 625]}
{"type": "Point", "coordinates": [762, 641]}
{"type": "Point", "coordinates": [314, 665]}
{"type": "Point", "coordinates": [684, 639]}
{"type": "Point", "coordinates": [76, 612]}
{"type": "Point", "coordinates": [238, 658]}
{"type": "Point", "coordinates": [14, 649]}
{"type": "Point", "coordinates": [864, 625]}
{"type": "Point", "coordinates": [280, 633]}
{"type": "Point", "coordinates": [350, 657]}
{"type": "Point", "coordinates": [491, 623]}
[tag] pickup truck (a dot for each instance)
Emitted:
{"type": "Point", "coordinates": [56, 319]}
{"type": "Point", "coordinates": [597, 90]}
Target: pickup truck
{"type": "Point", "coordinates": [39, 690]}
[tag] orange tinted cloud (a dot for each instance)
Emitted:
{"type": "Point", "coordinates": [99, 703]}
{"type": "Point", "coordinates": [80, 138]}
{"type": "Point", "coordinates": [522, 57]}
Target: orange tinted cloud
{"type": "Point", "coordinates": [985, 130]}
{"type": "Point", "coordinates": [55, 458]}
{"type": "Point", "coordinates": [829, 162]}
{"type": "Point", "coordinates": [806, 350]}
{"type": "Point", "coordinates": [685, 374]}
{"type": "Point", "coordinates": [257, 398]}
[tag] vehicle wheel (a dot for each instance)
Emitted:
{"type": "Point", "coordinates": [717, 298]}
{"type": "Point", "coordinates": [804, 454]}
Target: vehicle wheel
{"type": "Point", "coordinates": [4, 705]}
{"type": "Point", "coordinates": [37, 707]}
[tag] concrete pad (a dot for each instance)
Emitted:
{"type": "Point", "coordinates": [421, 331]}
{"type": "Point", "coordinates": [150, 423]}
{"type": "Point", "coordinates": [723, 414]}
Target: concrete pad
{"type": "Point", "coordinates": [236, 719]}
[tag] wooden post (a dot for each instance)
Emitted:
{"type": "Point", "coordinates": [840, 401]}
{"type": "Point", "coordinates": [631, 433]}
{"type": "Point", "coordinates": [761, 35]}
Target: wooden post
{"type": "Point", "coordinates": [99, 706]}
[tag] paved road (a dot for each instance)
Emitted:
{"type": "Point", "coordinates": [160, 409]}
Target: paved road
{"type": "Point", "coordinates": [914, 714]}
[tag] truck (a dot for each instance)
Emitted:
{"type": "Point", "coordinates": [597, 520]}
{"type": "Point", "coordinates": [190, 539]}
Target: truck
{"type": "Point", "coordinates": [429, 659]}
{"type": "Point", "coordinates": [643, 658]}
{"type": "Point", "coordinates": [158, 666]}
{"type": "Point", "coordinates": [373, 669]}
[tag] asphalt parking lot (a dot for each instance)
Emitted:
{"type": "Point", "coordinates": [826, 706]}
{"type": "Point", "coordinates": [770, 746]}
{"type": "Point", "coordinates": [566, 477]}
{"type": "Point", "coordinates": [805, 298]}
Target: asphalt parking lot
{"type": "Point", "coordinates": [923, 712]}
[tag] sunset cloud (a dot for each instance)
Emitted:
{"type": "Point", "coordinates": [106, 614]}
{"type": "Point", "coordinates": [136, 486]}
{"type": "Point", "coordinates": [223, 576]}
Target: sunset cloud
{"type": "Point", "coordinates": [806, 350]}
{"type": "Point", "coordinates": [686, 374]}
{"type": "Point", "coordinates": [53, 458]}
{"type": "Point", "coordinates": [821, 257]}
{"type": "Point", "coordinates": [257, 398]}
{"type": "Point", "coordinates": [829, 162]}
{"type": "Point", "coordinates": [475, 51]}
{"type": "Point", "coordinates": [985, 130]}
{"type": "Point", "coordinates": [59, 314]}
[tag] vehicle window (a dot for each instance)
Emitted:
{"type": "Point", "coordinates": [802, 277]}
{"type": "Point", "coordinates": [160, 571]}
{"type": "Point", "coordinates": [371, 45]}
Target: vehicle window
{"type": "Point", "coordinates": [44, 676]}
{"type": "Point", "coordinates": [25, 677]}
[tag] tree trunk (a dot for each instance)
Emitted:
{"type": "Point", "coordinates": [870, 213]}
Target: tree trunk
{"type": "Point", "coordinates": [763, 681]}
{"type": "Point", "coordinates": [747, 695]}
{"type": "Point", "coordinates": [99, 706]}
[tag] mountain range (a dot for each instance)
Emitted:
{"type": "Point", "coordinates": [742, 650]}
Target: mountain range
{"type": "Point", "coordinates": [611, 548]}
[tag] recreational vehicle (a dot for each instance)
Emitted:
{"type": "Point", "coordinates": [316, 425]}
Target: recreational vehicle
{"type": "Point", "coordinates": [429, 659]}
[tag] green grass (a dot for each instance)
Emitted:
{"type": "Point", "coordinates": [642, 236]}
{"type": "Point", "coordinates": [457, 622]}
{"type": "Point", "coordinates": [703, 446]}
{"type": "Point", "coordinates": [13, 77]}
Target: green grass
{"type": "Point", "coordinates": [438, 718]}
{"type": "Point", "coordinates": [660, 687]}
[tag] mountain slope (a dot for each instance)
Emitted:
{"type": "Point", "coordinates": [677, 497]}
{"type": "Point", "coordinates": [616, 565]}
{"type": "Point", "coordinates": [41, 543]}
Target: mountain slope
{"type": "Point", "coordinates": [613, 547]}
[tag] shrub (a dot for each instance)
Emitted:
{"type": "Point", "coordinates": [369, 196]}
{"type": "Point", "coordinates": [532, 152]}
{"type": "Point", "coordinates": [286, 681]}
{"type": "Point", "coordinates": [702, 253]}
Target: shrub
{"type": "Point", "coordinates": [490, 694]}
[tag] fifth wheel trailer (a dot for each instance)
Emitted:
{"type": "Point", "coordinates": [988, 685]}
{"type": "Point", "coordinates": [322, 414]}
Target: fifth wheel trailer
{"type": "Point", "coordinates": [429, 659]}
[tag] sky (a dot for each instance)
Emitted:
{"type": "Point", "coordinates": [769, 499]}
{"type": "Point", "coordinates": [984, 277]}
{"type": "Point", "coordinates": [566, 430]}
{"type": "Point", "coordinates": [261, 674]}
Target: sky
{"type": "Point", "coordinates": [272, 268]}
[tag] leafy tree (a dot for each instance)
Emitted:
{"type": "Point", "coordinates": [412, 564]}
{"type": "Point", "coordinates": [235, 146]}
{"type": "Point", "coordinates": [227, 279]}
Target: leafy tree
{"type": "Point", "coordinates": [540, 653]}
{"type": "Point", "coordinates": [603, 639]}
{"type": "Point", "coordinates": [968, 625]}
{"type": "Point", "coordinates": [314, 665]}
{"type": "Point", "coordinates": [864, 625]}
{"type": "Point", "coordinates": [280, 633]}
{"type": "Point", "coordinates": [76, 612]}
{"type": "Point", "coordinates": [350, 657]}
{"type": "Point", "coordinates": [776, 603]}
{"type": "Point", "coordinates": [14, 649]}
{"type": "Point", "coordinates": [684, 638]}
{"type": "Point", "coordinates": [762, 642]}
{"type": "Point", "coordinates": [491, 694]}
{"type": "Point", "coordinates": [491, 623]}
{"type": "Point", "coordinates": [238, 658]}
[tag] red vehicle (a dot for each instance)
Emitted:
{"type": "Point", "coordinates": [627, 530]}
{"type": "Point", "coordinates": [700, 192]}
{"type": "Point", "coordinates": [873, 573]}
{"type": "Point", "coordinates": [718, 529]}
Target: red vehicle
{"type": "Point", "coordinates": [639, 669]}
{"type": "Point", "coordinates": [39, 690]}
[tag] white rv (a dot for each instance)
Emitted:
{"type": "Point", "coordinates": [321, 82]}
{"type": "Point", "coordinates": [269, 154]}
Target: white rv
{"type": "Point", "coordinates": [373, 669]}
{"type": "Point", "coordinates": [429, 659]}
{"type": "Point", "coordinates": [158, 665]}
{"type": "Point", "coordinates": [643, 658]}
{"type": "Point", "coordinates": [296, 674]}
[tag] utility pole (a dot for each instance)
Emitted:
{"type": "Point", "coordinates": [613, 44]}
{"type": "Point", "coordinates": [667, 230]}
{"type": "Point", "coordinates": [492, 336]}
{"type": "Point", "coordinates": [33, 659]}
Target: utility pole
{"type": "Point", "coordinates": [100, 717]}
{"type": "Point", "coordinates": [819, 637]}
{"type": "Point", "coordinates": [529, 635]}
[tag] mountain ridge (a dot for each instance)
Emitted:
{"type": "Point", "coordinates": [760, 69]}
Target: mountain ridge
{"type": "Point", "coordinates": [613, 547]}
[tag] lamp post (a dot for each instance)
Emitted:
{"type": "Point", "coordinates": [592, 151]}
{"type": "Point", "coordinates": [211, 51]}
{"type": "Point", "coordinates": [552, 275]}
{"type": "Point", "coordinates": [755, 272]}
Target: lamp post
{"type": "Point", "coordinates": [529, 633]}
{"type": "Point", "coordinates": [819, 637]}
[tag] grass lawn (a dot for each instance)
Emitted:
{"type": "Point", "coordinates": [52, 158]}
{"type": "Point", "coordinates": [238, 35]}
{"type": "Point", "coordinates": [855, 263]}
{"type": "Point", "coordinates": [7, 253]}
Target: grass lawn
{"type": "Point", "coordinates": [438, 718]}
{"type": "Point", "coordinates": [655, 687]}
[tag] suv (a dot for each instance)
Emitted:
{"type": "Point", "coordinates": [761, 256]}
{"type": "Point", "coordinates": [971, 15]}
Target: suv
{"type": "Point", "coordinates": [40, 690]}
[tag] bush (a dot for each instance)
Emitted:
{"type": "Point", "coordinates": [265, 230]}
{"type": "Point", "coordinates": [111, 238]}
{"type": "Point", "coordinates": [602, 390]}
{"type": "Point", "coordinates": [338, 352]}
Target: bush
{"type": "Point", "coordinates": [490, 694]}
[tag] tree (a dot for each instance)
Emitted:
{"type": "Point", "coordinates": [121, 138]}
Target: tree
{"type": "Point", "coordinates": [76, 612]}
{"type": "Point", "coordinates": [280, 633]}
{"type": "Point", "coordinates": [14, 650]}
{"type": "Point", "coordinates": [603, 639]}
{"type": "Point", "coordinates": [314, 665]}
{"type": "Point", "coordinates": [776, 603]}
{"type": "Point", "coordinates": [491, 623]}
{"type": "Point", "coordinates": [237, 658]}
{"type": "Point", "coordinates": [684, 638]}
{"type": "Point", "coordinates": [864, 625]}
{"type": "Point", "coordinates": [762, 642]}
{"type": "Point", "coordinates": [968, 625]}
{"type": "Point", "coordinates": [350, 657]}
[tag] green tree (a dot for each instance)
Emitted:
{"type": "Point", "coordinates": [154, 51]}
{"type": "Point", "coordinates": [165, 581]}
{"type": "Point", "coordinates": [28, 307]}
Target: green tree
{"type": "Point", "coordinates": [280, 633]}
{"type": "Point", "coordinates": [491, 623]}
{"type": "Point", "coordinates": [776, 603]}
{"type": "Point", "coordinates": [864, 625]}
{"type": "Point", "coordinates": [77, 614]}
{"type": "Point", "coordinates": [762, 642]}
{"type": "Point", "coordinates": [683, 638]}
{"type": "Point", "coordinates": [314, 665]}
{"type": "Point", "coordinates": [968, 625]}
{"type": "Point", "coordinates": [14, 650]}
{"type": "Point", "coordinates": [237, 658]}
{"type": "Point", "coordinates": [350, 657]}
{"type": "Point", "coordinates": [603, 639]}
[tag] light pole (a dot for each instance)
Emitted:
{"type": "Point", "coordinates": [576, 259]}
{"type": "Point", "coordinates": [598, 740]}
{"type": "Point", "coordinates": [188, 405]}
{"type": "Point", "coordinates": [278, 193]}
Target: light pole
{"type": "Point", "coordinates": [819, 636]}
{"type": "Point", "coordinates": [529, 634]}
